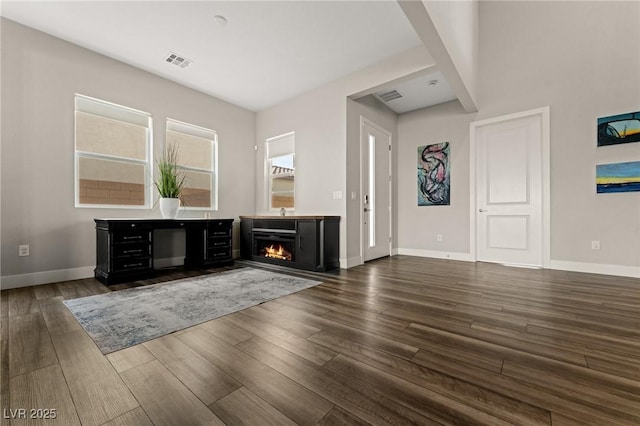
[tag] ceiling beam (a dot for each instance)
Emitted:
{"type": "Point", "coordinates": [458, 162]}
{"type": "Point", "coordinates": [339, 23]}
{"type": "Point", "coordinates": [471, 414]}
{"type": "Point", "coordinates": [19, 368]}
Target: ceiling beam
{"type": "Point", "coordinates": [423, 24]}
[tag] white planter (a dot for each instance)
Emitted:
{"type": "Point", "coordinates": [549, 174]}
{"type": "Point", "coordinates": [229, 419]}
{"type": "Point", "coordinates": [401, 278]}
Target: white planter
{"type": "Point", "coordinates": [169, 207]}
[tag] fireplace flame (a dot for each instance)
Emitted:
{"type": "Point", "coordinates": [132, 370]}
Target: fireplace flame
{"type": "Point", "coordinates": [277, 252]}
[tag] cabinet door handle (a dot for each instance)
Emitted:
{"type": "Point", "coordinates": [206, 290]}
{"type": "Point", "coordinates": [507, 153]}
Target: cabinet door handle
{"type": "Point", "coordinates": [132, 251]}
{"type": "Point", "coordinates": [130, 265]}
{"type": "Point", "coordinates": [135, 237]}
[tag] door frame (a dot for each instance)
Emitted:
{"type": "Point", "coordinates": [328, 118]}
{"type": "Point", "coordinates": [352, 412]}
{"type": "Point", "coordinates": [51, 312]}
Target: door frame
{"type": "Point", "coordinates": [545, 134]}
{"type": "Point", "coordinates": [363, 237]}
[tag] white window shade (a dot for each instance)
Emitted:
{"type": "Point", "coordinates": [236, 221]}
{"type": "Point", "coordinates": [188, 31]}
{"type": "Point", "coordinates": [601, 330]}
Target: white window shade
{"type": "Point", "coordinates": [193, 151]}
{"type": "Point", "coordinates": [112, 155]}
{"type": "Point", "coordinates": [281, 145]}
{"type": "Point", "coordinates": [197, 159]}
{"type": "Point", "coordinates": [102, 135]}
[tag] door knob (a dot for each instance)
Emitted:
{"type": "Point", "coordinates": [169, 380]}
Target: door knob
{"type": "Point", "coordinates": [482, 210]}
{"type": "Point", "coordinates": [367, 210]}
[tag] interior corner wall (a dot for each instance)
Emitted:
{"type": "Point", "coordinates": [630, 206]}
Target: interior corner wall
{"type": "Point", "coordinates": [40, 76]}
{"type": "Point", "coordinates": [419, 226]}
{"type": "Point", "coordinates": [566, 55]}
{"type": "Point", "coordinates": [375, 111]}
{"type": "Point", "coordinates": [319, 119]}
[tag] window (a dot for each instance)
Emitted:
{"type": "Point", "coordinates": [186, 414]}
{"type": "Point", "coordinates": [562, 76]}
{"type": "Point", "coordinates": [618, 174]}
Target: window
{"type": "Point", "coordinates": [112, 145]}
{"type": "Point", "coordinates": [197, 158]}
{"type": "Point", "coordinates": [281, 170]}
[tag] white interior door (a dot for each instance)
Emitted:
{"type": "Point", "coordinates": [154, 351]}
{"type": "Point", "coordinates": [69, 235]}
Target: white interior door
{"type": "Point", "coordinates": [375, 158]}
{"type": "Point", "coordinates": [509, 217]}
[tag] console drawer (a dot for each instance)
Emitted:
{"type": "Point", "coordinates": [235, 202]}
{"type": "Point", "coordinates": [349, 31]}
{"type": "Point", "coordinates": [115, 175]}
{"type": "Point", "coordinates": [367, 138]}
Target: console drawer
{"type": "Point", "coordinates": [133, 236]}
{"type": "Point", "coordinates": [219, 229]}
{"type": "Point", "coordinates": [132, 264]}
{"type": "Point", "coordinates": [137, 249]}
{"type": "Point", "coordinates": [219, 253]}
{"type": "Point", "coordinates": [218, 242]}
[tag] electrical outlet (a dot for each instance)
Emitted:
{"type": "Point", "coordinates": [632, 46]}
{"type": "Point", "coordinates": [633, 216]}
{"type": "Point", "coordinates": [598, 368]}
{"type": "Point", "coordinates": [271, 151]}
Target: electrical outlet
{"type": "Point", "coordinates": [23, 250]}
{"type": "Point", "coordinates": [439, 237]}
{"type": "Point", "coordinates": [595, 245]}
{"type": "Point", "coordinates": [354, 196]}
{"type": "Point", "coordinates": [337, 195]}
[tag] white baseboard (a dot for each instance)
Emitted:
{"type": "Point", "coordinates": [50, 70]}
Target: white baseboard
{"type": "Point", "coordinates": [346, 263]}
{"type": "Point", "coordinates": [45, 277]}
{"type": "Point", "coordinates": [450, 255]}
{"type": "Point", "coordinates": [596, 268]}
{"type": "Point", "coordinates": [562, 265]}
{"type": "Point", "coordinates": [394, 252]}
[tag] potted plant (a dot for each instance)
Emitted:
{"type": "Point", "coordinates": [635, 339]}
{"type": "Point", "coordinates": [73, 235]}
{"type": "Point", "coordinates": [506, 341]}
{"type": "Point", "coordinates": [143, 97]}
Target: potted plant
{"type": "Point", "coordinates": [169, 182]}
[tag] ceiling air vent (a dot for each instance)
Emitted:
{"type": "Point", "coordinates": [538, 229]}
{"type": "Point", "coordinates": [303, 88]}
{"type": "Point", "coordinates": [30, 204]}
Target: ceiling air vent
{"type": "Point", "coordinates": [389, 96]}
{"type": "Point", "coordinates": [178, 60]}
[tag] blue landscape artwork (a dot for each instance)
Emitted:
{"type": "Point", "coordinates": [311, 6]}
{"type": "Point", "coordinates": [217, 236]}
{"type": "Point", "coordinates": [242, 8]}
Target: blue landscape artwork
{"type": "Point", "coordinates": [617, 129]}
{"type": "Point", "coordinates": [434, 181]}
{"type": "Point", "coordinates": [618, 177]}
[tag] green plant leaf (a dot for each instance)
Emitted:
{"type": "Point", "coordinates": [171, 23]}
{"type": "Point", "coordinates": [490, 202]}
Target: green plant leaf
{"type": "Point", "coordinates": [170, 180]}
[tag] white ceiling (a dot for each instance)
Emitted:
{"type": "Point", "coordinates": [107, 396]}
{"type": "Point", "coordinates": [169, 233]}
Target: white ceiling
{"type": "Point", "coordinates": [419, 93]}
{"type": "Point", "coordinates": [267, 52]}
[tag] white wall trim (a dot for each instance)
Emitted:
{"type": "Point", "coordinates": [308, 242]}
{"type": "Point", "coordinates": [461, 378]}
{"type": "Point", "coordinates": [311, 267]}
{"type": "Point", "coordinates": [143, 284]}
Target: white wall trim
{"type": "Point", "coordinates": [346, 263]}
{"type": "Point", "coordinates": [449, 255]}
{"type": "Point", "coordinates": [394, 252]}
{"type": "Point", "coordinates": [596, 268]}
{"type": "Point", "coordinates": [45, 277]}
{"type": "Point", "coordinates": [561, 265]}
{"type": "Point", "coordinates": [545, 133]}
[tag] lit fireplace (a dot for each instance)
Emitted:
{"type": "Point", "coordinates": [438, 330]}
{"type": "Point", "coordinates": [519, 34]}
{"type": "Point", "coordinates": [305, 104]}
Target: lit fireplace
{"type": "Point", "coordinates": [275, 248]}
{"type": "Point", "coordinates": [277, 251]}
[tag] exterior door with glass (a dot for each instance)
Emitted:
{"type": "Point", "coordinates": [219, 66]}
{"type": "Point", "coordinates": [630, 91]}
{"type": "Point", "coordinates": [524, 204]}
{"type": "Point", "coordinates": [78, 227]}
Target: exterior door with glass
{"type": "Point", "coordinates": [375, 157]}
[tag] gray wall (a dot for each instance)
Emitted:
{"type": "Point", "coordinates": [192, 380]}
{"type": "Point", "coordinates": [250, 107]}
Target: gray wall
{"type": "Point", "coordinates": [419, 226]}
{"type": "Point", "coordinates": [40, 75]}
{"type": "Point", "coordinates": [581, 59]}
{"type": "Point", "coordinates": [319, 118]}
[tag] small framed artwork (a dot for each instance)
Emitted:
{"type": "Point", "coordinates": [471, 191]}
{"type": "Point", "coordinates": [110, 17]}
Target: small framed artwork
{"type": "Point", "coordinates": [617, 129]}
{"type": "Point", "coordinates": [434, 181]}
{"type": "Point", "coordinates": [618, 177]}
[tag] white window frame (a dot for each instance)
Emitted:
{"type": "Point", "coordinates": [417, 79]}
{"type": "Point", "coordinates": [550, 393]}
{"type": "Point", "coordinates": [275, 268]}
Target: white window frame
{"type": "Point", "coordinates": [268, 166]}
{"type": "Point", "coordinates": [110, 110]}
{"type": "Point", "coordinates": [202, 132]}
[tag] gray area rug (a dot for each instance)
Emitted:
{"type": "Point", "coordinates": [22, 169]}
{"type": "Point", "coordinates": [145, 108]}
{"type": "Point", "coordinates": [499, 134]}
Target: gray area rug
{"type": "Point", "coordinates": [125, 318]}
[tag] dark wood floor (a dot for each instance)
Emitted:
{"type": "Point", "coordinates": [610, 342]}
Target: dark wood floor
{"type": "Point", "coordinates": [401, 340]}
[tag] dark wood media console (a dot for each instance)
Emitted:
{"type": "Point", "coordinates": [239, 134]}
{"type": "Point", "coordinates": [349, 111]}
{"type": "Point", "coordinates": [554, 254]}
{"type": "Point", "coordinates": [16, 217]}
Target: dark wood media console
{"type": "Point", "coordinates": [303, 242]}
{"type": "Point", "coordinates": [124, 247]}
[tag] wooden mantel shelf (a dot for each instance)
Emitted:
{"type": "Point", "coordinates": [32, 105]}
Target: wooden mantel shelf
{"type": "Point", "coordinates": [292, 217]}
